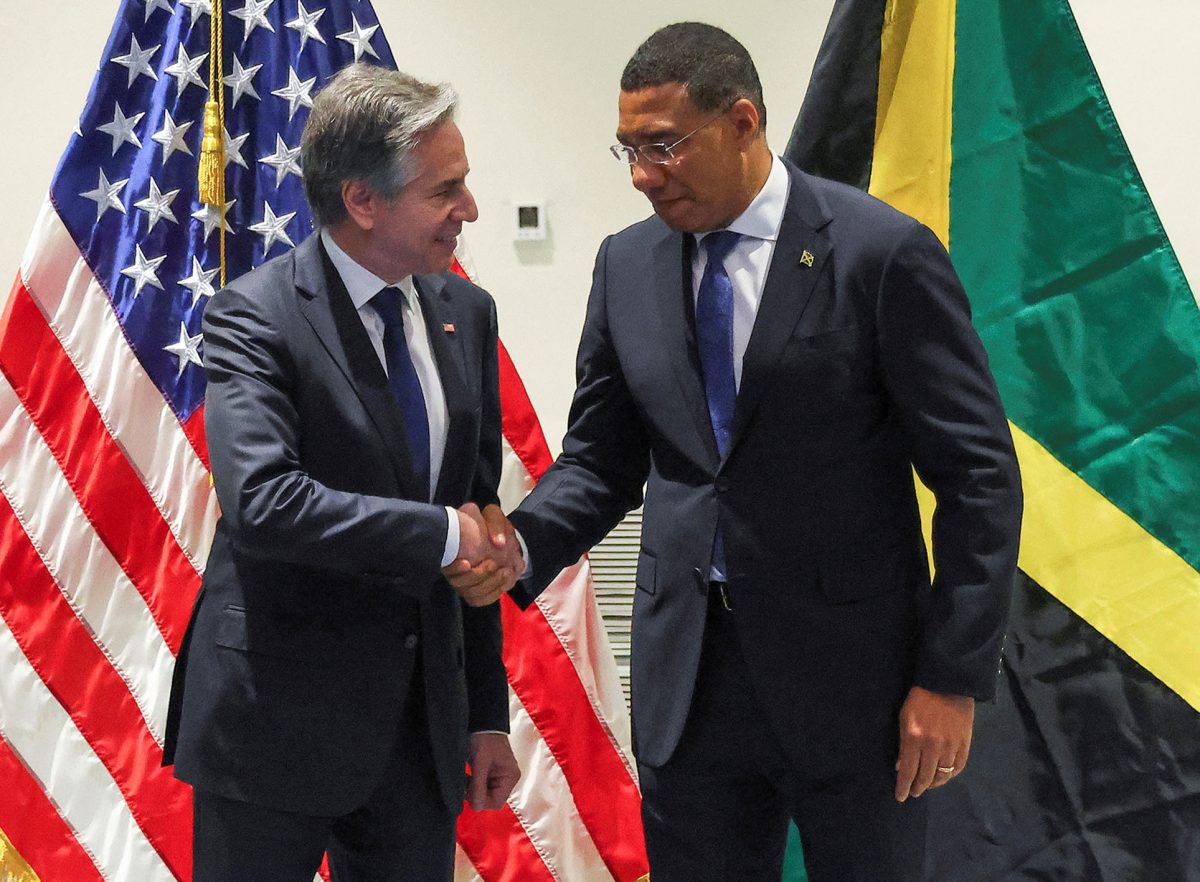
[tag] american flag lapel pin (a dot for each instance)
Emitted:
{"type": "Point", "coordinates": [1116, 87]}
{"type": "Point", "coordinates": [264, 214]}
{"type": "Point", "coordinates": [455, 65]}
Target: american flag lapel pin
{"type": "Point", "coordinates": [448, 327]}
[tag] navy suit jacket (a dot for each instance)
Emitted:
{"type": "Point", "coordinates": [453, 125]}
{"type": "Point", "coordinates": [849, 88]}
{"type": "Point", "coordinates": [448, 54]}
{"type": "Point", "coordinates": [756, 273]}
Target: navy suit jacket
{"type": "Point", "coordinates": [324, 583]}
{"type": "Point", "coordinates": [862, 365]}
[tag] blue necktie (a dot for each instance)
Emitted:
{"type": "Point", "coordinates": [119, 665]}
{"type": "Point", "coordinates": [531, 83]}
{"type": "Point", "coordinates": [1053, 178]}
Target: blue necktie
{"type": "Point", "coordinates": [714, 337]}
{"type": "Point", "coordinates": [403, 380]}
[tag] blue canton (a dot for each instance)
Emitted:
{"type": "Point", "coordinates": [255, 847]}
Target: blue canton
{"type": "Point", "coordinates": [126, 188]}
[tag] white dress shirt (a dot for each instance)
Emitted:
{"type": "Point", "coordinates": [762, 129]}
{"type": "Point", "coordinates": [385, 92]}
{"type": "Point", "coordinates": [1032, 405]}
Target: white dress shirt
{"type": "Point", "coordinates": [362, 285]}
{"type": "Point", "coordinates": [749, 260]}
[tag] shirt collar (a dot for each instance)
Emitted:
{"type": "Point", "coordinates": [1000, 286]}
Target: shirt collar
{"type": "Point", "coordinates": [764, 215]}
{"type": "Point", "coordinates": [360, 282]}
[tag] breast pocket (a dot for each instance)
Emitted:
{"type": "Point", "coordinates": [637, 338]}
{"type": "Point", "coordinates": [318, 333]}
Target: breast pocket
{"type": "Point", "coordinates": [821, 372]}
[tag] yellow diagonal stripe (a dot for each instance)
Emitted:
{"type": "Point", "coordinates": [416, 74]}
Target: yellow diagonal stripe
{"type": "Point", "coordinates": [1075, 543]}
{"type": "Point", "coordinates": [12, 866]}
{"type": "Point", "coordinates": [1102, 564]}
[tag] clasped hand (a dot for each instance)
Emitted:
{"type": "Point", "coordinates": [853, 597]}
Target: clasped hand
{"type": "Point", "coordinates": [489, 556]}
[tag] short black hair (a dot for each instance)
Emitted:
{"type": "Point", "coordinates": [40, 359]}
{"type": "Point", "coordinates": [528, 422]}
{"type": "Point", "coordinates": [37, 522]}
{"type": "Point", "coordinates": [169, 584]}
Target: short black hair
{"type": "Point", "coordinates": [714, 67]}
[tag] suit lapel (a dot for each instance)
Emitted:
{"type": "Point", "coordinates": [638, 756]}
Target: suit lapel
{"type": "Point", "coordinates": [327, 307]}
{"type": "Point", "coordinates": [800, 255]}
{"type": "Point", "coordinates": [441, 321]}
{"type": "Point", "coordinates": [672, 284]}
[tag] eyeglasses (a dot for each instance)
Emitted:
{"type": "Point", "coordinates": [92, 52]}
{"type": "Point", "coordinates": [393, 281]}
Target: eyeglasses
{"type": "Point", "coordinates": [656, 154]}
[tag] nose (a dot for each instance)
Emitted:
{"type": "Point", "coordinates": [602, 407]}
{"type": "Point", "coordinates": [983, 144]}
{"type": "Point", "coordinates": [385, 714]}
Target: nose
{"type": "Point", "coordinates": [646, 175]}
{"type": "Point", "coordinates": [467, 211]}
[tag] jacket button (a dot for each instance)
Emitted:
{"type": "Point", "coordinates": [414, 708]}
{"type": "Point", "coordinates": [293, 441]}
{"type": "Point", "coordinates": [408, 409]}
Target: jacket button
{"type": "Point", "coordinates": [722, 484]}
{"type": "Point", "coordinates": [410, 642]}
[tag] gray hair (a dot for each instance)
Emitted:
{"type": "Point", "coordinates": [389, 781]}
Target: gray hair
{"type": "Point", "coordinates": [363, 127]}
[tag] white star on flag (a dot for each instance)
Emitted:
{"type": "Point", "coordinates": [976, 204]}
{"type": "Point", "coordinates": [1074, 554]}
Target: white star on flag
{"type": "Point", "coordinates": [296, 92]}
{"type": "Point", "coordinates": [187, 350]}
{"type": "Point", "coordinates": [121, 129]}
{"type": "Point", "coordinates": [360, 38]}
{"type": "Point", "coordinates": [240, 80]}
{"type": "Point", "coordinates": [158, 205]}
{"type": "Point", "coordinates": [306, 23]}
{"type": "Point", "coordinates": [186, 71]}
{"type": "Point", "coordinates": [144, 272]}
{"type": "Point", "coordinates": [171, 136]}
{"type": "Point", "coordinates": [152, 5]}
{"type": "Point", "coordinates": [197, 8]}
{"type": "Point", "coordinates": [253, 15]}
{"type": "Point", "coordinates": [105, 195]}
{"type": "Point", "coordinates": [137, 60]}
{"type": "Point", "coordinates": [283, 160]}
{"type": "Point", "coordinates": [212, 217]}
{"type": "Point", "coordinates": [233, 149]}
{"type": "Point", "coordinates": [271, 227]}
{"type": "Point", "coordinates": [200, 282]}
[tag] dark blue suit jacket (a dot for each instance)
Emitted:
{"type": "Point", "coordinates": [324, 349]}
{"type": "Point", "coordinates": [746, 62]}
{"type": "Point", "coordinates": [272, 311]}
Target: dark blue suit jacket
{"type": "Point", "coordinates": [862, 365]}
{"type": "Point", "coordinates": [323, 582]}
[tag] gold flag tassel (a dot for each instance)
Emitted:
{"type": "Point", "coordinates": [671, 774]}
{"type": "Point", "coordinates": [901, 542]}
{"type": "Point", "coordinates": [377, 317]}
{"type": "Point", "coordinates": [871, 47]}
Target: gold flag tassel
{"type": "Point", "coordinates": [212, 146]}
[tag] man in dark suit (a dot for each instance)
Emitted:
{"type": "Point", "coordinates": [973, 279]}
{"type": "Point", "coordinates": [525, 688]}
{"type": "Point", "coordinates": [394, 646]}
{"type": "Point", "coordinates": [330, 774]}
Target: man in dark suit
{"type": "Point", "coordinates": [775, 354]}
{"type": "Point", "coordinates": [332, 685]}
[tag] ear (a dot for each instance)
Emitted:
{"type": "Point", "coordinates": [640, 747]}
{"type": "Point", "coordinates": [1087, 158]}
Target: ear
{"type": "Point", "coordinates": [746, 124]}
{"type": "Point", "coordinates": [360, 204]}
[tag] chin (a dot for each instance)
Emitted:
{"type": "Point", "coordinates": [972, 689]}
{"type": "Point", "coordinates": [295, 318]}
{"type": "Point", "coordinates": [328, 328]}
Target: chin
{"type": "Point", "coordinates": [680, 219]}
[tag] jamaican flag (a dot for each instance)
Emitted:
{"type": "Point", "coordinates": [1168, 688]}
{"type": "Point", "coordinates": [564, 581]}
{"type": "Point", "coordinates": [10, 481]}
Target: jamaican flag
{"type": "Point", "coordinates": [986, 120]}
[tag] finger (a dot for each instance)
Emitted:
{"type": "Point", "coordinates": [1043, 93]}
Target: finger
{"type": "Point", "coordinates": [906, 769]}
{"type": "Point", "coordinates": [926, 771]}
{"type": "Point", "coordinates": [942, 773]}
{"type": "Point", "coordinates": [485, 593]}
{"type": "Point", "coordinates": [502, 786]}
{"type": "Point", "coordinates": [471, 510]}
{"type": "Point", "coordinates": [475, 576]}
{"type": "Point", "coordinates": [496, 524]}
{"type": "Point", "coordinates": [457, 568]}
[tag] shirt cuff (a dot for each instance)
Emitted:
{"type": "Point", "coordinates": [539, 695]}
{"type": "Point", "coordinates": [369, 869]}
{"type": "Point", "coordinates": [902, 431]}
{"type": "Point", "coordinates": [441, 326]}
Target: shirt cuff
{"type": "Point", "coordinates": [524, 555]}
{"type": "Point", "coordinates": [450, 552]}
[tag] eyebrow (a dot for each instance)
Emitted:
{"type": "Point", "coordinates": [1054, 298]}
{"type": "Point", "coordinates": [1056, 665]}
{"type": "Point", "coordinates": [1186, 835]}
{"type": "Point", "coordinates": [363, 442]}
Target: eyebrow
{"type": "Point", "coordinates": [654, 136]}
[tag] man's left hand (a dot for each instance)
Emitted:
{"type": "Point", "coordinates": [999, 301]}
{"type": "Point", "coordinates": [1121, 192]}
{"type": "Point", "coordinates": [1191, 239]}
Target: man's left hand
{"type": "Point", "coordinates": [935, 739]}
{"type": "Point", "coordinates": [494, 771]}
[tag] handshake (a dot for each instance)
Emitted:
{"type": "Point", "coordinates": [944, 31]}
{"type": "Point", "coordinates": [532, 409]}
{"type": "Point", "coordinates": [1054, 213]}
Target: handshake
{"type": "Point", "coordinates": [489, 559]}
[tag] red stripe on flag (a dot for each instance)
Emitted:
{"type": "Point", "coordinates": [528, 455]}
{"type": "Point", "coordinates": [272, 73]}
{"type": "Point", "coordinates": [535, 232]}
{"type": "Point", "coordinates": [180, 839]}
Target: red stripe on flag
{"type": "Point", "coordinates": [545, 680]}
{"type": "Point", "coordinates": [520, 422]}
{"type": "Point", "coordinates": [84, 682]}
{"type": "Point", "coordinates": [110, 492]}
{"type": "Point", "coordinates": [34, 827]}
{"type": "Point", "coordinates": [193, 428]}
{"type": "Point", "coordinates": [499, 848]}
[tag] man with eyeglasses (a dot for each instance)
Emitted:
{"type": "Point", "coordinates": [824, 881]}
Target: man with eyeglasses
{"type": "Point", "coordinates": [772, 355]}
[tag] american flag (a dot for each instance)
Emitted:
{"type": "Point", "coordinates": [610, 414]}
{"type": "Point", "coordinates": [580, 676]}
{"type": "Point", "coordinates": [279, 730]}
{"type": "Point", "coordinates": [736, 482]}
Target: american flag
{"type": "Point", "coordinates": [106, 508]}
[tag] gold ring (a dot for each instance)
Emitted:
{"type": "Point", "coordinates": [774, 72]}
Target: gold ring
{"type": "Point", "coordinates": [945, 770]}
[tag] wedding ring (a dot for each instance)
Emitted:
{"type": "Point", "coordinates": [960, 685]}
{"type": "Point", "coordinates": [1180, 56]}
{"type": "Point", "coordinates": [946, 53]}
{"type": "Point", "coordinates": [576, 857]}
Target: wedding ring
{"type": "Point", "coordinates": [945, 770]}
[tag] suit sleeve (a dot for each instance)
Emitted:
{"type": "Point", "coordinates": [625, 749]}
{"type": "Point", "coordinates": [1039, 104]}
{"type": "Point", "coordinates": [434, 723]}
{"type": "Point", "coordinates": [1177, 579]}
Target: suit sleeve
{"type": "Point", "coordinates": [275, 510]}
{"type": "Point", "coordinates": [599, 476]}
{"type": "Point", "coordinates": [487, 680]}
{"type": "Point", "coordinates": [936, 371]}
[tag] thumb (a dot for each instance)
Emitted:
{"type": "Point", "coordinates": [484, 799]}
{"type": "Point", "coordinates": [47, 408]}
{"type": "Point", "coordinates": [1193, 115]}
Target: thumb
{"type": "Point", "coordinates": [477, 787]}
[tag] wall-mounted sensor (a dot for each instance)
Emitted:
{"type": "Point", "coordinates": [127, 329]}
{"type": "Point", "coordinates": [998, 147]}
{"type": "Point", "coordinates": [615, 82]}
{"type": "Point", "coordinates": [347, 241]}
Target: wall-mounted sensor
{"type": "Point", "coordinates": [529, 221]}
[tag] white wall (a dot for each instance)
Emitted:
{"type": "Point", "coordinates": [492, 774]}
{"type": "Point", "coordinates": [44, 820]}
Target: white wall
{"type": "Point", "coordinates": [538, 81]}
